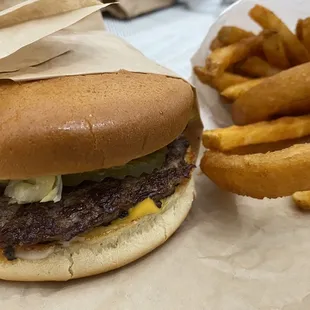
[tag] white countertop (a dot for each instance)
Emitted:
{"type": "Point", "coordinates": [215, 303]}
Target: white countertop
{"type": "Point", "coordinates": [170, 36]}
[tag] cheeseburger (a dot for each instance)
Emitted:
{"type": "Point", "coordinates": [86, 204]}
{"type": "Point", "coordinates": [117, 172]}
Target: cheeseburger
{"type": "Point", "coordinates": [95, 171]}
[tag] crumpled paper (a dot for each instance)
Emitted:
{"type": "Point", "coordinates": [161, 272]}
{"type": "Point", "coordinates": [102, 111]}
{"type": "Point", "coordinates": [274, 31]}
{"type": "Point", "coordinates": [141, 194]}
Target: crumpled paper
{"type": "Point", "coordinates": [23, 18]}
{"type": "Point", "coordinates": [257, 251]}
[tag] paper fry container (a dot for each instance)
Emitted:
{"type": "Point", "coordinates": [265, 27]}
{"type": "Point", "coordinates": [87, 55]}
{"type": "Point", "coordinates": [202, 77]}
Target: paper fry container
{"type": "Point", "coordinates": [258, 255]}
{"type": "Point", "coordinates": [214, 113]}
{"type": "Point", "coordinates": [72, 41]}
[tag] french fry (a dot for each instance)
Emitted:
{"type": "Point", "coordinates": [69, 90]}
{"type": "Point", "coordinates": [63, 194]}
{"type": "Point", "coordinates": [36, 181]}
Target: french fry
{"type": "Point", "coordinates": [216, 43]}
{"type": "Point", "coordinates": [298, 29]}
{"type": "Point", "coordinates": [221, 82]}
{"type": "Point", "coordinates": [268, 20]}
{"type": "Point", "coordinates": [302, 200]}
{"type": "Point", "coordinates": [274, 51]}
{"type": "Point", "coordinates": [284, 94]}
{"type": "Point", "coordinates": [303, 32]}
{"type": "Point", "coordinates": [203, 75]}
{"type": "Point", "coordinates": [231, 34]}
{"type": "Point", "coordinates": [267, 147]}
{"type": "Point", "coordinates": [306, 33]}
{"type": "Point", "coordinates": [220, 59]}
{"type": "Point", "coordinates": [267, 155]}
{"type": "Point", "coordinates": [256, 67]}
{"type": "Point", "coordinates": [235, 91]}
{"type": "Point", "coordinates": [285, 128]}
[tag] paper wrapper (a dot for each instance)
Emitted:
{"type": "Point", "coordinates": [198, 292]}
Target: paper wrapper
{"type": "Point", "coordinates": [126, 9]}
{"type": "Point", "coordinates": [250, 254]}
{"type": "Point", "coordinates": [143, 284]}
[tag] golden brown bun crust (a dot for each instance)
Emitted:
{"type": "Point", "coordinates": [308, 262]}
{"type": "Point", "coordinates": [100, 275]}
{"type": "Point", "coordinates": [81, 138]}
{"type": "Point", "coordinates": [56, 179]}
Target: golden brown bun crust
{"type": "Point", "coordinates": [106, 251]}
{"type": "Point", "coordinates": [82, 123]}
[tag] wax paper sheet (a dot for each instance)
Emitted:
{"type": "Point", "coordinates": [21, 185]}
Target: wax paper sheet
{"type": "Point", "coordinates": [255, 252]}
{"type": "Point", "coordinates": [29, 21]}
{"type": "Point", "coordinates": [231, 252]}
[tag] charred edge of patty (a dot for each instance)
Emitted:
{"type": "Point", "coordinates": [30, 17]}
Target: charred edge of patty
{"type": "Point", "coordinates": [90, 204]}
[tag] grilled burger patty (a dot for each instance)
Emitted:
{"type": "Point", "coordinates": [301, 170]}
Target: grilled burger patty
{"type": "Point", "coordinates": [90, 204]}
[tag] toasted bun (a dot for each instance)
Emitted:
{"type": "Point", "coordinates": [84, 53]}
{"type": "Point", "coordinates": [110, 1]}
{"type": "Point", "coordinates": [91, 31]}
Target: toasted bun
{"type": "Point", "coordinates": [82, 123]}
{"type": "Point", "coordinates": [105, 251]}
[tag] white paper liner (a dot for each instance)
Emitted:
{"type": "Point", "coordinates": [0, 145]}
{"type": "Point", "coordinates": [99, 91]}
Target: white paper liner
{"type": "Point", "coordinates": [250, 254]}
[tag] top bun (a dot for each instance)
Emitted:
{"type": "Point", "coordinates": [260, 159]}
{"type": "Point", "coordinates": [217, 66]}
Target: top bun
{"type": "Point", "coordinates": [82, 123]}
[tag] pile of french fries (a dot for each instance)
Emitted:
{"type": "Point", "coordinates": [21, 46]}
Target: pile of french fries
{"type": "Point", "coordinates": [241, 59]}
{"type": "Point", "coordinates": [239, 65]}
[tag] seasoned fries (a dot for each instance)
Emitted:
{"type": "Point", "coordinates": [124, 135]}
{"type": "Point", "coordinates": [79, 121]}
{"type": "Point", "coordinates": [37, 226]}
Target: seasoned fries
{"type": "Point", "coordinates": [302, 200]}
{"type": "Point", "coordinates": [285, 128]}
{"type": "Point", "coordinates": [220, 59]}
{"type": "Point", "coordinates": [266, 76]}
{"type": "Point", "coordinates": [216, 43]}
{"type": "Point", "coordinates": [245, 54]}
{"type": "Point", "coordinates": [268, 20]}
{"type": "Point", "coordinates": [303, 32]}
{"type": "Point", "coordinates": [220, 83]}
{"type": "Point", "coordinates": [274, 51]}
{"type": "Point", "coordinates": [284, 94]}
{"type": "Point", "coordinates": [256, 67]}
{"type": "Point", "coordinates": [203, 75]}
{"type": "Point", "coordinates": [231, 34]}
{"type": "Point", "coordinates": [299, 30]}
{"type": "Point", "coordinates": [235, 91]}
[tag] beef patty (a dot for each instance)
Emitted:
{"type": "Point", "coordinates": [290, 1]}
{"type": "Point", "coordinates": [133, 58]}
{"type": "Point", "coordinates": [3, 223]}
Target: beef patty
{"type": "Point", "coordinates": [90, 204]}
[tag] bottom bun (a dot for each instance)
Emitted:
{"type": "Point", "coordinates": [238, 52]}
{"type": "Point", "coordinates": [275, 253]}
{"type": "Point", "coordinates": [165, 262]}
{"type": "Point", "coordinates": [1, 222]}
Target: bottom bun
{"type": "Point", "coordinates": [105, 251]}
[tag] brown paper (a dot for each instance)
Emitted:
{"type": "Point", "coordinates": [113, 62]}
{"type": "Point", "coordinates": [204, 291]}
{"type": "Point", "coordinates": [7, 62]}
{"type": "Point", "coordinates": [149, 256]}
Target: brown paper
{"type": "Point", "coordinates": [100, 52]}
{"type": "Point", "coordinates": [18, 35]}
{"type": "Point", "coordinates": [49, 47]}
{"type": "Point", "coordinates": [33, 54]}
{"type": "Point", "coordinates": [89, 49]}
{"type": "Point", "coordinates": [36, 9]}
{"type": "Point", "coordinates": [132, 8]}
{"type": "Point", "coordinates": [5, 4]}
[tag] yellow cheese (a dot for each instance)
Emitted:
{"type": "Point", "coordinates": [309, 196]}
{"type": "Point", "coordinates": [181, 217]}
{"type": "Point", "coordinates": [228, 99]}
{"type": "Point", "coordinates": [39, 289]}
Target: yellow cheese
{"type": "Point", "coordinates": [143, 208]}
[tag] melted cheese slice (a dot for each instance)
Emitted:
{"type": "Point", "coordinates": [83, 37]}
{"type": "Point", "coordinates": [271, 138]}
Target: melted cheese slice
{"type": "Point", "coordinates": [143, 208]}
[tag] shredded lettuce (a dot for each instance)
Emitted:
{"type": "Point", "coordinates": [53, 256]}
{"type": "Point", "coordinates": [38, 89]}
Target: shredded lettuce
{"type": "Point", "coordinates": [41, 189]}
{"type": "Point", "coordinates": [55, 194]}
